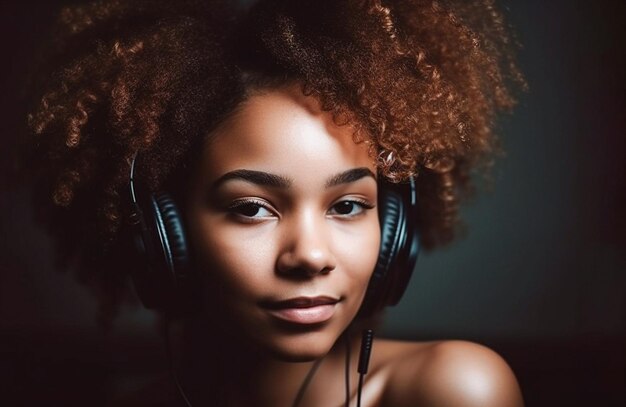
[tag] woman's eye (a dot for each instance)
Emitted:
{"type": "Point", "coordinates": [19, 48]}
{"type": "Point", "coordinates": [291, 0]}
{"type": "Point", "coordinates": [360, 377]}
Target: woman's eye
{"type": "Point", "coordinates": [250, 209]}
{"type": "Point", "coordinates": [350, 208]}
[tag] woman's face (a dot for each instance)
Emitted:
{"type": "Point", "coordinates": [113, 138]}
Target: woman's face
{"type": "Point", "coordinates": [283, 222]}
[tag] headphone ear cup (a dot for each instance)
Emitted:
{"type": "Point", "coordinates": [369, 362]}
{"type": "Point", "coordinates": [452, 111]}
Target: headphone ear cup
{"type": "Point", "coordinates": [391, 223]}
{"type": "Point", "coordinates": [399, 246]}
{"type": "Point", "coordinates": [389, 209]}
{"type": "Point", "coordinates": [174, 241]}
{"type": "Point", "coordinates": [160, 241]}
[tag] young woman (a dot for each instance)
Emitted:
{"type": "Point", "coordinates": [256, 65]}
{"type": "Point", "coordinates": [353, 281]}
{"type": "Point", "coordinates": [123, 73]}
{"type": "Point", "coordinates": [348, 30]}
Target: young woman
{"type": "Point", "coordinates": [241, 164]}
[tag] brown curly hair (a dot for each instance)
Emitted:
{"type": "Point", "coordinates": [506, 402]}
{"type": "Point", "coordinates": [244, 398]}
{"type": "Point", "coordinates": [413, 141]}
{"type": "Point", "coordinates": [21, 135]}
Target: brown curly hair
{"type": "Point", "coordinates": [421, 81]}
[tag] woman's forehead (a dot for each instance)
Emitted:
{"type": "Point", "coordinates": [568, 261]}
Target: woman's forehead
{"type": "Point", "coordinates": [283, 131]}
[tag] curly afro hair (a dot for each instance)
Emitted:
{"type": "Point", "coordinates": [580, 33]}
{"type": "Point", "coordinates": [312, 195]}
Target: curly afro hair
{"type": "Point", "coordinates": [421, 81]}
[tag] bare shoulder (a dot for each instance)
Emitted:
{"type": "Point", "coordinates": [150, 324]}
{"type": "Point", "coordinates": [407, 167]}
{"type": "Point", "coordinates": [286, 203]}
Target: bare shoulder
{"type": "Point", "coordinates": [445, 373]}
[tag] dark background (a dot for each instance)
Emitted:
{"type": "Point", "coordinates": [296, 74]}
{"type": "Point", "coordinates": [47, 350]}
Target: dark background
{"type": "Point", "coordinates": [540, 276]}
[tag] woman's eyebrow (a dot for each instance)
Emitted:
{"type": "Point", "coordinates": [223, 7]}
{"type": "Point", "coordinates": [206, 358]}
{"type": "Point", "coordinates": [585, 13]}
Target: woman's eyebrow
{"type": "Point", "coordinates": [349, 176]}
{"type": "Point", "coordinates": [254, 177]}
{"type": "Point", "coordinates": [279, 181]}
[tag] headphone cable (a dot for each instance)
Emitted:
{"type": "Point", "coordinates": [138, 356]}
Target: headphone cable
{"type": "Point", "coordinates": [171, 367]}
{"type": "Point", "coordinates": [183, 396]}
{"type": "Point", "coordinates": [364, 358]}
{"type": "Point", "coordinates": [305, 383]}
{"type": "Point", "coordinates": [366, 348]}
{"type": "Point", "coordinates": [347, 369]}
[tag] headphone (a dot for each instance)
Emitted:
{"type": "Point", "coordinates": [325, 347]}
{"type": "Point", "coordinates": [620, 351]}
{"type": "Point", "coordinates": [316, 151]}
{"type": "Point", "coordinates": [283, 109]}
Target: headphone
{"type": "Point", "coordinates": [165, 279]}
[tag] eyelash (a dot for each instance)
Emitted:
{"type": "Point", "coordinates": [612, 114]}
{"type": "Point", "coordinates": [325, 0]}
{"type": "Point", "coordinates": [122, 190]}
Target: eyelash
{"type": "Point", "coordinates": [237, 208]}
{"type": "Point", "coordinates": [361, 203]}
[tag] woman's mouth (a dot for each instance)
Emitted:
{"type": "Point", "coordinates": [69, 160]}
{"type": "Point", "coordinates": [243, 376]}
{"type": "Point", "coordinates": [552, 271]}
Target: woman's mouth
{"type": "Point", "coordinates": [302, 310]}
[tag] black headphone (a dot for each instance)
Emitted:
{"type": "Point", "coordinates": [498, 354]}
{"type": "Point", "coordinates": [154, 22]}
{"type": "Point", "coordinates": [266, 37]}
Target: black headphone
{"type": "Point", "coordinates": [165, 281]}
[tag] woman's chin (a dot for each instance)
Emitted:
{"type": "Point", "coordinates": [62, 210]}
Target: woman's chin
{"type": "Point", "coordinates": [297, 356]}
{"type": "Point", "coordinates": [302, 347]}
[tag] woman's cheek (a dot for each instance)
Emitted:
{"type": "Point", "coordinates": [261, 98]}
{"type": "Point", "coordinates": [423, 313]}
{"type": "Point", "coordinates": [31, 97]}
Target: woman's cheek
{"type": "Point", "coordinates": [238, 256]}
{"type": "Point", "coordinates": [359, 250]}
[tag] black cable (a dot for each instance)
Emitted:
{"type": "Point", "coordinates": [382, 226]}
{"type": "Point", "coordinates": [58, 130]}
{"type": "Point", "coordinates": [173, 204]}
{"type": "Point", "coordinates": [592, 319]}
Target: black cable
{"type": "Point", "coordinates": [364, 359]}
{"type": "Point", "coordinates": [307, 379]}
{"type": "Point", "coordinates": [358, 397]}
{"type": "Point", "coordinates": [347, 369]}
{"type": "Point", "coordinates": [171, 367]}
{"type": "Point", "coordinates": [305, 383]}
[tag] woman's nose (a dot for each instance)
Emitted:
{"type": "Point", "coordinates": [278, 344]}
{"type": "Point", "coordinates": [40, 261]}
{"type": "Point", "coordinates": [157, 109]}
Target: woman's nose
{"type": "Point", "coordinates": [306, 248]}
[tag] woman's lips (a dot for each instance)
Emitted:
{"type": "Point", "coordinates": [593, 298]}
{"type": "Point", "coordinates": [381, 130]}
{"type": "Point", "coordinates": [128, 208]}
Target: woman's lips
{"type": "Point", "coordinates": [303, 310]}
